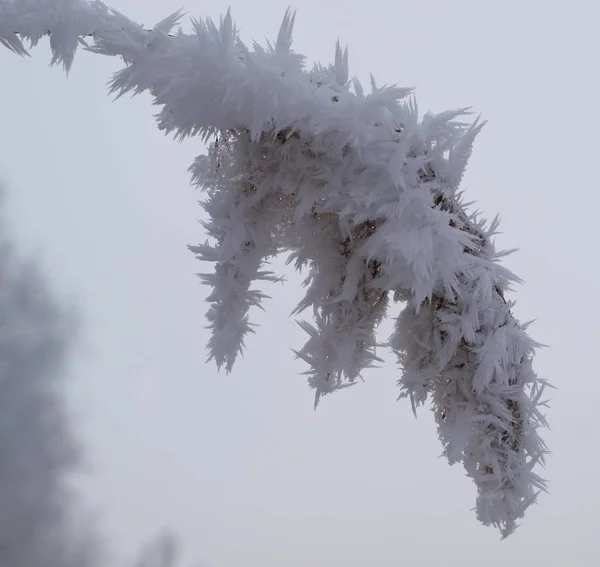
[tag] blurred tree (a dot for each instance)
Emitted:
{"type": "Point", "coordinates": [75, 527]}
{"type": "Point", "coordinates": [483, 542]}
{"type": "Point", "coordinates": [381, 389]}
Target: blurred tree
{"type": "Point", "coordinates": [37, 444]}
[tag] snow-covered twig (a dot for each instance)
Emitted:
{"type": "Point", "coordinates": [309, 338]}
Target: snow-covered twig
{"type": "Point", "coordinates": [358, 188]}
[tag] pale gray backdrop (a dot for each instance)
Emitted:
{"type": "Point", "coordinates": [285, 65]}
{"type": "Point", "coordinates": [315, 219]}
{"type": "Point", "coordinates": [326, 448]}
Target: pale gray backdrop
{"type": "Point", "coordinates": [240, 466]}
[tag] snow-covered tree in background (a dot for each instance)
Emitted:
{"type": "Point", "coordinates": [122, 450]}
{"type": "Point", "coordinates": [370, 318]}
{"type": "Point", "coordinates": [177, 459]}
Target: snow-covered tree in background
{"type": "Point", "coordinates": [162, 551]}
{"type": "Point", "coordinates": [359, 190]}
{"type": "Point", "coordinates": [40, 523]}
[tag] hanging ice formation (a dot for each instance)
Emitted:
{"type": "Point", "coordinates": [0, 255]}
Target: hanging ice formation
{"type": "Point", "coordinates": [362, 192]}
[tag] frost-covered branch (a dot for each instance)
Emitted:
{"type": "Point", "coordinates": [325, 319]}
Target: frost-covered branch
{"type": "Point", "coordinates": [360, 190]}
{"type": "Point", "coordinates": [241, 217]}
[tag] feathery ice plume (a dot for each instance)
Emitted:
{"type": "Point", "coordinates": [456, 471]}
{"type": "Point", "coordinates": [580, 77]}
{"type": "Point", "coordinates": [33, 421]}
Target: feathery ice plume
{"type": "Point", "coordinates": [359, 190]}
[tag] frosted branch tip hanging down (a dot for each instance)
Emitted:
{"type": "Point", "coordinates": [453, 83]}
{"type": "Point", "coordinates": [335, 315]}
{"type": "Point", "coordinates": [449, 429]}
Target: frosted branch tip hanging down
{"type": "Point", "coordinates": [360, 190]}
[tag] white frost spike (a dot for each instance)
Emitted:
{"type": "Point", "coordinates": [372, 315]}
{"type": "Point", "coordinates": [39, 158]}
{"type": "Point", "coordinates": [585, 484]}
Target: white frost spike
{"type": "Point", "coordinates": [359, 191]}
{"type": "Point", "coordinates": [460, 153]}
{"type": "Point", "coordinates": [284, 38]}
{"type": "Point", "coordinates": [341, 66]}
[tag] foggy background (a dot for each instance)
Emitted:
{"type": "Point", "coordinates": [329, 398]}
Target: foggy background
{"type": "Point", "coordinates": [240, 466]}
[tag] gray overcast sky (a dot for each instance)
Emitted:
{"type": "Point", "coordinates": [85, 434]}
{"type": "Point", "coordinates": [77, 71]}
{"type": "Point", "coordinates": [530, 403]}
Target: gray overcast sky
{"type": "Point", "coordinates": [240, 466]}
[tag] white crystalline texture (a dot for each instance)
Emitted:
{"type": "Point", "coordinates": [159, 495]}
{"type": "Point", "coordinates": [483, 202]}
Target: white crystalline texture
{"type": "Point", "coordinates": [359, 190]}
